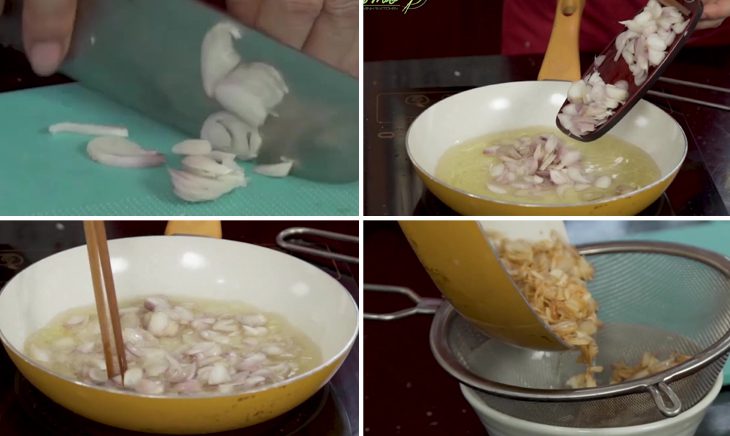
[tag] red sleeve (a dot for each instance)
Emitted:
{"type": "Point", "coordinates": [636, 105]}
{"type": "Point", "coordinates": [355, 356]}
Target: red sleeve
{"type": "Point", "coordinates": [526, 25]}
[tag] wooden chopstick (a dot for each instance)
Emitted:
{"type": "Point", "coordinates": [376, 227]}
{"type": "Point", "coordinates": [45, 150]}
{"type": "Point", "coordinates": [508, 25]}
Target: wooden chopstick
{"type": "Point", "coordinates": [111, 294]}
{"type": "Point", "coordinates": [105, 294]}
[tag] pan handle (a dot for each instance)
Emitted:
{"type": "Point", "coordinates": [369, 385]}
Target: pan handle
{"type": "Point", "coordinates": [426, 306]}
{"type": "Point", "coordinates": [562, 61]}
{"type": "Point", "coordinates": [285, 239]}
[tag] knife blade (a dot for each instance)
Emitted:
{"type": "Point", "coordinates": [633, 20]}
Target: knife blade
{"type": "Point", "coordinates": [146, 55]}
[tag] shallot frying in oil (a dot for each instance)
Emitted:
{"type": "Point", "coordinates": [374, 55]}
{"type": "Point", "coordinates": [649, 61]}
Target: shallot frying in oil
{"type": "Point", "coordinates": [178, 347]}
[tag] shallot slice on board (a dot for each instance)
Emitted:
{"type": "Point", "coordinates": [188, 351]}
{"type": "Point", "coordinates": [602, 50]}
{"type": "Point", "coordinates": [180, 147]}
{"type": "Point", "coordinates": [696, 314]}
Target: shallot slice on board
{"type": "Point", "coordinates": [275, 170]}
{"type": "Point", "coordinates": [89, 129]}
{"type": "Point", "coordinates": [195, 188]}
{"type": "Point", "coordinates": [121, 152]}
{"type": "Point", "coordinates": [206, 177]}
{"type": "Point", "coordinates": [192, 147]}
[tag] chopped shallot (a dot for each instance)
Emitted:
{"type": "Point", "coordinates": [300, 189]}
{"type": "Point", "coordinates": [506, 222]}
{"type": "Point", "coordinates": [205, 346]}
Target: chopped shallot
{"type": "Point", "coordinates": [170, 355]}
{"type": "Point", "coordinates": [647, 37]}
{"type": "Point", "coordinates": [539, 163]}
{"type": "Point", "coordinates": [642, 45]}
{"type": "Point", "coordinates": [591, 103]}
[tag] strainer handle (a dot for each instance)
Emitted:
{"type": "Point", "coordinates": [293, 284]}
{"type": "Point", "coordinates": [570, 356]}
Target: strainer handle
{"type": "Point", "coordinates": [675, 404]}
{"type": "Point", "coordinates": [423, 305]}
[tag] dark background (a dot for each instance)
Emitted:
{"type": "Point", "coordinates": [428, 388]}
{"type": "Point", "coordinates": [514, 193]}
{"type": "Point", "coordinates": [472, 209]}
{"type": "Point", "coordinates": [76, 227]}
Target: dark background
{"type": "Point", "coordinates": [38, 239]}
{"type": "Point", "coordinates": [474, 29]}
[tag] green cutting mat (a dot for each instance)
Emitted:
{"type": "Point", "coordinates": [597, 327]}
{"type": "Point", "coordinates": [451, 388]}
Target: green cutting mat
{"type": "Point", "coordinates": [43, 174]}
{"type": "Point", "coordinates": [713, 236]}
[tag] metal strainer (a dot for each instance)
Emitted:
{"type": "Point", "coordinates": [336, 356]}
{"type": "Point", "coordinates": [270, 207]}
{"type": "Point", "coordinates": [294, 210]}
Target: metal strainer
{"type": "Point", "coordinates": [656, 297]}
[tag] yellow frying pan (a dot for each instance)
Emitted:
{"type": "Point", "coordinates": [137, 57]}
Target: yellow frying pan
{"type": "Point", "coordinates": [518, 105]}
{"type": "Point", "coordinates": [462, 263]}
{"type": "Point", "coordinates": [191, 266]}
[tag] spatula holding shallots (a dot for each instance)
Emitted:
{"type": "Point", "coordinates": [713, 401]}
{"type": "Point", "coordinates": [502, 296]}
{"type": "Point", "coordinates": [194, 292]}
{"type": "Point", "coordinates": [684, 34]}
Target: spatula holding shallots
{"type": "Point", "coordinates": [626, 70]}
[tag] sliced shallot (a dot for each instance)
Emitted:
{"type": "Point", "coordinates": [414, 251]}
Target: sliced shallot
{"type": "Point", "coordinates": [121, 152]}
{"type": "Point", "coordinates": [192, 147]}
{"type": "Point", "coordinates": [207, 177]}
{"type": "Point", "coordinates": [194, 188]}
{"type": "Point", "coordinates": [227, 133]}
{"type": "Point", "coordinates": [275, 170]}
{"type": "Point", "coordinates": [218, 55]}
{"type": "Point", "coordinates": [251, 92]}
{"type": "Point", "coordinates": [89, 129]}
{"type": "Point", "coordinates": [205, 166]}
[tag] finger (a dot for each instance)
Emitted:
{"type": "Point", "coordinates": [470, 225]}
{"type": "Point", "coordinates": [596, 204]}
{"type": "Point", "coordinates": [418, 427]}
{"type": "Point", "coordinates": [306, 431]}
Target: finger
{"type": "Point", "coordinates": [716, 10]}
{"type": "Point", "coordinates": [335, 34]}
{"type": "Point", "coordinates": [709, 24]}
{"type": "Point", "coordinates": [351, 63]}
{"type": "Point", "coordinates": [289, 21]}
{"type": "Point", "coordinates": [47, 28]}
{"type": "Point", "coordinates": [246, 11]}
{"type": "Point", "coordinates": [2, 6]}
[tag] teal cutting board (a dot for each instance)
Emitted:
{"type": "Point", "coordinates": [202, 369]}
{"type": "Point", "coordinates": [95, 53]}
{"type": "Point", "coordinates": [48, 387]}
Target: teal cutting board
{"type": "Point", "coordinates": [713, 236]}
{"type": "Point", "coordinates": [43, 174]}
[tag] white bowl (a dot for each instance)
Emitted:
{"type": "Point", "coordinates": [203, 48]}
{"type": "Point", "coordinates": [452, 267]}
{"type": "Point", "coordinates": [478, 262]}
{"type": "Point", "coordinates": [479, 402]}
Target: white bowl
{"type": "Point", "coordinates": [500, 424]}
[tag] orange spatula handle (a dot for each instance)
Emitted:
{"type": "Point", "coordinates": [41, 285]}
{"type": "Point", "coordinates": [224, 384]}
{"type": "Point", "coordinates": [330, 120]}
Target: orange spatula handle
{"type": "Point", "coordinates": [562, 61]}
{"type": "Point", "coordinates": [211, 229]}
